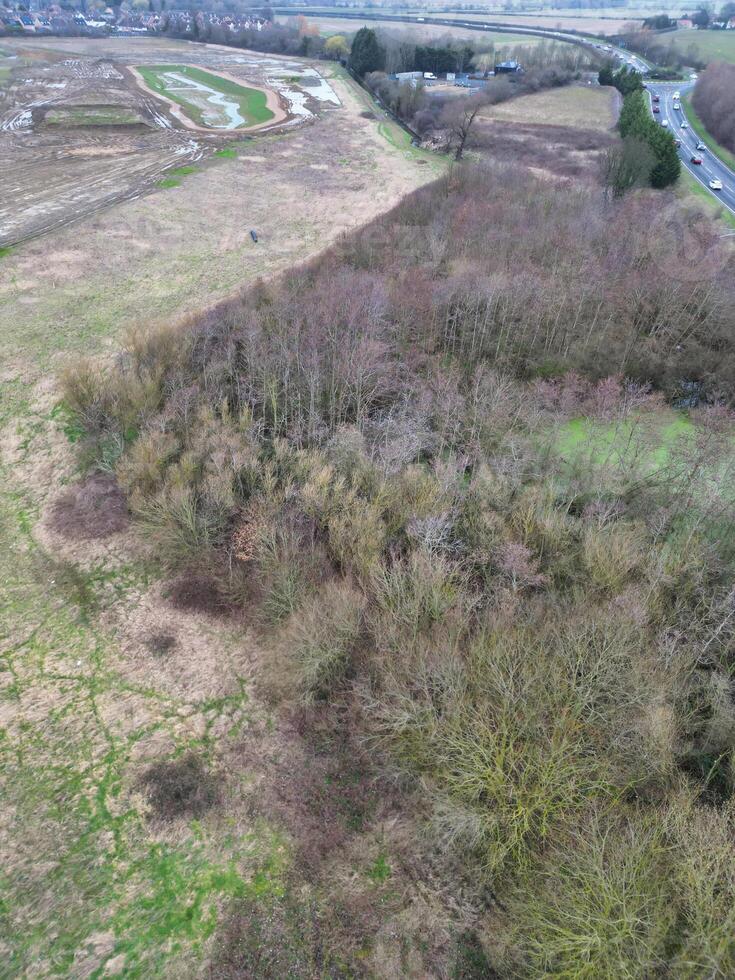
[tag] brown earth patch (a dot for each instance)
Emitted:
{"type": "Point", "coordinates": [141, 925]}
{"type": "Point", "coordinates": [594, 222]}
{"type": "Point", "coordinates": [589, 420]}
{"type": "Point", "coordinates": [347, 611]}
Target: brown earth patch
{"type": "Point", "coordinates": [94, 508]}
{"type": "Point", "coordinates": [181, 788]}
{"type": "Point", "coordinates": [196, 592]}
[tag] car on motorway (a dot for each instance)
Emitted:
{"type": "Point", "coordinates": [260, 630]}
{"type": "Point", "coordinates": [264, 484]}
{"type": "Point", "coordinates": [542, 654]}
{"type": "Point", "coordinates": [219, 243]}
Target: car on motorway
{"type": "Point", "coordinates": [677, 95]}
{"type": "Point", "coordinates": [677, 106]}
{"type": "Point", "coordinates": [716, 184]}
{"type": "Point", "coordinates": [656, 98]}
{"type": "Point", "coordinates": [685, 125]}
{"type": "Point", "coordinates": [697, 160]}
{"type": "Point", "coordinates": [656, 109]}
{"type": "Point", "coordinates": [700, 145]}
{"type": "Point", "coordinates": [677, 142]}
{"type": "Point", "coordinates": [664, 122]}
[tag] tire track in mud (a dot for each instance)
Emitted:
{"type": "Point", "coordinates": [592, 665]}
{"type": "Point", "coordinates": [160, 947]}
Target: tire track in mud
{"type": "Point", "coordinates": [32, 212]}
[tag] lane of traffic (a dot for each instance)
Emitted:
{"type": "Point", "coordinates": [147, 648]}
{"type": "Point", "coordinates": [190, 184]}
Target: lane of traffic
{"type": "Point", "coordinates": [711, 170]}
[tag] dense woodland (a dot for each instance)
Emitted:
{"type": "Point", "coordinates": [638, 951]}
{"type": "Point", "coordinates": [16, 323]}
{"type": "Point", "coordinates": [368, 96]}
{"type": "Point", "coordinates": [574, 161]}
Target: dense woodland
{"type": "Point", "coordinates": [365, 461]}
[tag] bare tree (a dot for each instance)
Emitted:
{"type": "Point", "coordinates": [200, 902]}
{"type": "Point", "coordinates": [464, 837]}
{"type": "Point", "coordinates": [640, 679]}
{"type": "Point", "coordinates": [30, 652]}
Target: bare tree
{"type": "Point", "coordinates": [626, 165]}
{"type": "Point", "coordinates": [459, 116]}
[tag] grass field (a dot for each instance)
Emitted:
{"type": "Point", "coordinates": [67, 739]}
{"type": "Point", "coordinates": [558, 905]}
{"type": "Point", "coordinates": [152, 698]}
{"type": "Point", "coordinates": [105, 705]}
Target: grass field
{"type": "Point", "coordinates": [329, 25]}
{"type": "Point", "coordinates": [4, 67]}
{"type": "Point", "coordinates": [250, 103]}
{"type": "Point", "coordinates": [708, 45]}
{"type": "Point", "coordinates": [94, 115]}
{"type": "Point", "coordinates": [651, 438]}
{"type": "Point", "coordinates": [587, 22]}
{"type": "Point", "coordinates": [573, 105]}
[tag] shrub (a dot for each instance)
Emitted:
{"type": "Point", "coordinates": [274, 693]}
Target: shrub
{"type": "Point", "coordinates": [612, 555]}
{"type": "Point", "coordinates": [182, 529]}
{"type": "Point", "coordinates": [600, 906]}
{"type": "Point", "coordinates": [321, 638]}
{"type": "Point", "coordinates": [143, 468]}
{"type": "Point", "coordinates": [411, 599]}
{"type": "Point", "coordinates": [704, 878]}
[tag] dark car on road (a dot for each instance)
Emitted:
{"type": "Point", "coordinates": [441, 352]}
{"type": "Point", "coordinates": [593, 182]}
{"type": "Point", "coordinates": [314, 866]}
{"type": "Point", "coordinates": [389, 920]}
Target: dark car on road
{"type": "Point", "coordinates": [696, 160]}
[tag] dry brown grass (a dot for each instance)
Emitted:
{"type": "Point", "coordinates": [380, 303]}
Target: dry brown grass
{"type": "Point", "coordinates": [576, 106]}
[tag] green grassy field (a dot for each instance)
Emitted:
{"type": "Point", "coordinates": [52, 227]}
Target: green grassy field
{"type": "Point", "coordinates": [709, 45]}
{"type": "Point", "coordinates": [251, 103]}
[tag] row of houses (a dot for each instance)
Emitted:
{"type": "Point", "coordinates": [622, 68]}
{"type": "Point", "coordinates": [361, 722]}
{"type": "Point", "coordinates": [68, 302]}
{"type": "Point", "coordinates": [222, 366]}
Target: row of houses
{"type": "Point", "coordinates": [52, 19]}
{"type": "Point", "coordinates": [686, 23]}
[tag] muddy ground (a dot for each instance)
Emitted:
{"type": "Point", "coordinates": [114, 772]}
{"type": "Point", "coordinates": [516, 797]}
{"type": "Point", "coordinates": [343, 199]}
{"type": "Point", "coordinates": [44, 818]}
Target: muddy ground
{"type": "Point", "coordinates": [58, 167]}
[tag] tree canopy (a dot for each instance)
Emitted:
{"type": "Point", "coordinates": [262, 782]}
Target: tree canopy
{"type": "Point", "coordinates": [366, 54]}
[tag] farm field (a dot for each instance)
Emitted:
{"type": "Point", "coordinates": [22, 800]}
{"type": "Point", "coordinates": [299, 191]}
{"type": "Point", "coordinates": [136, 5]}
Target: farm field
{"type": "Point", "coordinates": [591, 22]}
{"type": "Point", "coordinates": [419, 32]}
{"type": "Point", "coordinates": [585, 24]}
{"type": "Point", "coordinates": [707, 45]}
{"type": "Point", "coordinates": [557, 133]}
{"type": "Point", "coordinates": [101, 676]}
{"type": "Point", "coordinates": [591, 108]}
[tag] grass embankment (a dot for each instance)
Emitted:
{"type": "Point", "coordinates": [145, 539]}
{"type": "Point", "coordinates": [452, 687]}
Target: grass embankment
{"type": "Point", "coordinates": [5, 68]}
{"type": "Point", "coordinates": [251, 103]}
{"type": "Point", "coordinates": [689, 185]}
{"type": "Point", "coordinates": [391, 132]}
{"type": "Point", "coordinates": [700, 129]}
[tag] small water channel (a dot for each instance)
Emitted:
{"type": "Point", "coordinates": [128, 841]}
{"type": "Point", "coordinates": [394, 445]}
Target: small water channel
{"type": "Point", "coordinates": [218, 109]}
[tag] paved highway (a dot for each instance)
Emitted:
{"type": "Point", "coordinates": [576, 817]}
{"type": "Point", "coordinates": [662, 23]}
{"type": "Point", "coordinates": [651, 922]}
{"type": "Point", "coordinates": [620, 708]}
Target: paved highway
{"type": "Point", "coordinates": [601, 46]}
{"type": "Point", "coordinates": [711, 167]}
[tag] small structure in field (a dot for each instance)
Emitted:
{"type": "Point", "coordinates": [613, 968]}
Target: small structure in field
{"type": "Point", "coordinates": [508, 68]}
